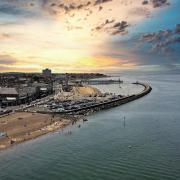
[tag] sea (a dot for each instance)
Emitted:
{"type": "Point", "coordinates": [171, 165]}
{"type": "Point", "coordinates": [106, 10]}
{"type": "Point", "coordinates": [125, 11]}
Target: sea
{"type": "Point", "coordinates": [139, 140]}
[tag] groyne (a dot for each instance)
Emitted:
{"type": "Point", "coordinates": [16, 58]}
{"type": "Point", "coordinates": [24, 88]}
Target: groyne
{"type": "Point", "coordinates": [108, 104]}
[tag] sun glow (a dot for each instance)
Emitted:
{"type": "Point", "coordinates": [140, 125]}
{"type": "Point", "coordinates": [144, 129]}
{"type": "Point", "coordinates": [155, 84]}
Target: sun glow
{"type": "Point", "coordinates": [64, 41]}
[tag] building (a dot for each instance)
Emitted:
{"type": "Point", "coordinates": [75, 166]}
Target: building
{"type": "Point", "coordinates": [27, 94]}
{"type": "Point", "coordinates": [16, 96]}
{"type": "Point", "coordinates": [46, 72]}
{"type": "Point", "coordinates": [44, 89]}
{"type": "Point", "coordinates": [8, 96]}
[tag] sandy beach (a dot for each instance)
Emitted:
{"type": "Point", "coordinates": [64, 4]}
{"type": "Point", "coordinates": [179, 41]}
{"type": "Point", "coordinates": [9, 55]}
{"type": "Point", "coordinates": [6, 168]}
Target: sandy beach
{"type": "Point", "coordinates": [23, 126]}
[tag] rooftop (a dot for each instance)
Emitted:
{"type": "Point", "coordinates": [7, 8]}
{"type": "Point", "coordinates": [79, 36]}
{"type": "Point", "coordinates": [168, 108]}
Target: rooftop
{"type": "Point", "coordinates": [4, 91]}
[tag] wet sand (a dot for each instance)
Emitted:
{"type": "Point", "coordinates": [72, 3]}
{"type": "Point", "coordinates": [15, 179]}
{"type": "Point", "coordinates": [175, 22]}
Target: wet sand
{"type": "Point", "coordinates": [23, 126]}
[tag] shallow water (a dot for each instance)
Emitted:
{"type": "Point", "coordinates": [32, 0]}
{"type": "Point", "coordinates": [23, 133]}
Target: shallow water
{"type": "Point", "coordinates": [126, 88]}
{"type": "Point", "coordinates": [145, 147]}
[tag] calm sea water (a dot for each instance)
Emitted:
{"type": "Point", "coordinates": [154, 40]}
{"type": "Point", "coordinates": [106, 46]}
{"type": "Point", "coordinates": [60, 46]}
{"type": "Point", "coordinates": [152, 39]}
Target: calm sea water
{"type": "Point", "coordinates": [146, 147]}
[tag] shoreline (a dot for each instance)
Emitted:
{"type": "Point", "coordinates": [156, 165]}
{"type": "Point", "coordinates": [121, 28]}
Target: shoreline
{"type": "Point", "coordinates": [24, 126]}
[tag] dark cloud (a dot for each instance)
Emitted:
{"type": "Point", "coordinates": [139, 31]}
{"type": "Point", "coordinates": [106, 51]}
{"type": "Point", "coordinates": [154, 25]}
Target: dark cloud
{"type": "Point", "coordinates": [155, 3]}
{"type": "Point", "coordinates": [98, 2]}
{"type": "Point", "coordinates": [119, 27]}
{"type": "Point", "coordinates": [163, 40]}
{"type": "Point", "coordinates": [116, 28]}
{"type": "Point", "coordinates": [58, 6]}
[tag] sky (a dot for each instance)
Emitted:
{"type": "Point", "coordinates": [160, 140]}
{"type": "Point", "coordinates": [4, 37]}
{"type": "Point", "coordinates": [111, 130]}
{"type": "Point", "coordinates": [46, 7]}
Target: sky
{"type": "Point", "coordinates": [89, 35]}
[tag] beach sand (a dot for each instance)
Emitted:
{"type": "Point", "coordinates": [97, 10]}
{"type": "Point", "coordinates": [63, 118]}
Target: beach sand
{"type": "Point", "coordinates": [23, 126]}
{"type": "Point", "coordinates": [78, 92]}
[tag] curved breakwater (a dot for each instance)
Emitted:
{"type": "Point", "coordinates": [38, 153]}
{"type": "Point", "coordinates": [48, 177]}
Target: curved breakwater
{"type": "Point", "coordinates": [108, 104]}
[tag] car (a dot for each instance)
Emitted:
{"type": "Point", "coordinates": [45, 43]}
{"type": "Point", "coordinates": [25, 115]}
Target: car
{"type": "Point", "coordinates": [60, 109]}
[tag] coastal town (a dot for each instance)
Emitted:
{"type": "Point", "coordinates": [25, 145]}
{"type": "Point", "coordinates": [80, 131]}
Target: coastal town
{"type": "Point", "coordinates": [89, 90]}
{"type": "Point", "coordinates": [35, 104]}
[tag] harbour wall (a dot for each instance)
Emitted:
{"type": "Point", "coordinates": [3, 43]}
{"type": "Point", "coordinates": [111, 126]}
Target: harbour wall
{"type": "Point", "coordinates": [108, 104]}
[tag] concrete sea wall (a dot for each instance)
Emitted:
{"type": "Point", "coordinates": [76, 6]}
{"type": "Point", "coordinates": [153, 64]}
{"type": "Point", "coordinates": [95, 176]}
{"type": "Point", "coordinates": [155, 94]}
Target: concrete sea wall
{"type": "Point", "coordinates": [108, 104]}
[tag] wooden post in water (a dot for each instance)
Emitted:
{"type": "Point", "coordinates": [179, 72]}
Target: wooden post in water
{"type": "Point", "coordinates": [124, 121]}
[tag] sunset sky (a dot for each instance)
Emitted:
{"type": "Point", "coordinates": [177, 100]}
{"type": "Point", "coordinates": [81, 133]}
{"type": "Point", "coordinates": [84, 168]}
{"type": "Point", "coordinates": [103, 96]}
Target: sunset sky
{"type": "Point", "coordinates": [88, 36]}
